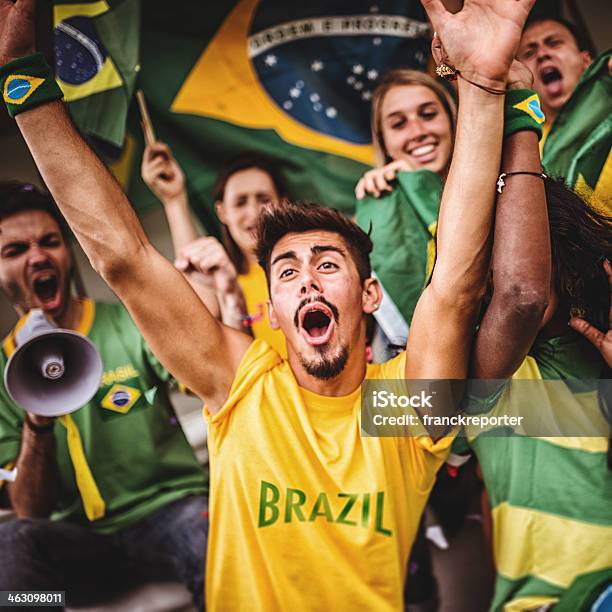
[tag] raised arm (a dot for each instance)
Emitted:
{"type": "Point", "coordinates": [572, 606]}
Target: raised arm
{"type": "Point", "coordinates": [202, 260]}
{"type": "Point", "coordinates": [480, 41]}
{"type": "Point", "coordinates": [190, 342]}
{"type": "Point", "coordinates": [164, 177]}
{"type": "Point", "coordinates": [521, 259]}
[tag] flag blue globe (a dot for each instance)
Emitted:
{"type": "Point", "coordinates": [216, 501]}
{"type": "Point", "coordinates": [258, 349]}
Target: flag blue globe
{"type": "Point", "coordinates": [321, 62]}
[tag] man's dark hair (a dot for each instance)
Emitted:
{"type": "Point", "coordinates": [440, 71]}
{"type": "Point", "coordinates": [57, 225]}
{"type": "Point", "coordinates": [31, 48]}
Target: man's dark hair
{"type": "Point", "coordinates": [581, 238]}
{"type": "Point", "coordinates": [583, 41]}
{"type": "Point", "coordinates": [16, 197]}
{"type": "Point", "coordinates": [285, 217]}
{"type": "Point", "coordinates": [244, 161]}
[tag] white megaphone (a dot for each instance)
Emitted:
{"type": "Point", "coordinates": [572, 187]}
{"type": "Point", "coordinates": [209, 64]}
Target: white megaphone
{"type": "Point", "coordinates": [53, 371]}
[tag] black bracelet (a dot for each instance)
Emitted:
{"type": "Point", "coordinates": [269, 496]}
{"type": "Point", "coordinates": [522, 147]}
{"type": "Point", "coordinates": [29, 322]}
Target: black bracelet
{"type": "Point", "coordinates": [39, 429]}
{"type": "Point", "coordinates": [501, 183]}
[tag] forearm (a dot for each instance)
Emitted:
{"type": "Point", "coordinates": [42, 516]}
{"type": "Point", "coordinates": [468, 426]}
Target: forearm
{"type": "Point", "coordinates": [444, 320]}
{"type": "Point", "coordinates": [466, 210]}
{"type": "Point", "coordinates": [34, 492]}
{"type": "Point", "coordinates": [233, 309]}
{"type": "Point", "coordinates": [92, 202]}
{"type": "Point", "coordinates": [521, 263]}
{"type": "Point", "coordinates": [181, 226]}
{"type": "Point", "coordinates": [206, 293]}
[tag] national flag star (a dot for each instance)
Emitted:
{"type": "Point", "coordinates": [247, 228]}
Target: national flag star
{"type": "Point", "coordinates": [366, 95]}
{"type": "Point", "coordinates": [372, 74]}
{"type": "Point", "coordinates": [294, 92]}
{"type": "Point", "coordinates": [270, 60]}
{"type": "Point", "coordinates": [317, 65]}
{"type": "Point", "coordinates": [358, 69]}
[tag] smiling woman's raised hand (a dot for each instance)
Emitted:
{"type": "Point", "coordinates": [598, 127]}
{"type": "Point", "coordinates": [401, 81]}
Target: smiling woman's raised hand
{"type": "Point", "coordinates": [482, 38]}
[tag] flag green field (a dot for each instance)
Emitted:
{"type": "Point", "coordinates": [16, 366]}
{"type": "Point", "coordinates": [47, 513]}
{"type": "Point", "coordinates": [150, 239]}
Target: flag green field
{"type": "Point", "coordinates": [290, 81]}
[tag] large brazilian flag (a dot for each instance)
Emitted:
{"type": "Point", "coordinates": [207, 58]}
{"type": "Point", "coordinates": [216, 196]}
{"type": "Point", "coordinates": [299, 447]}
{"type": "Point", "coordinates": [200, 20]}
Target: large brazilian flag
{"type": "Point", "coordinates": [291, 80]}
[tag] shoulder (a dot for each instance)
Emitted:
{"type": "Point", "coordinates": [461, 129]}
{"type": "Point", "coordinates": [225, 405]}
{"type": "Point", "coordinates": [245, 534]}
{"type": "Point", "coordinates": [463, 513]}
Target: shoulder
{"type": "Point", "coordinates": [259, 359]}
{"type": "Point", "coordinates": [393, 369]}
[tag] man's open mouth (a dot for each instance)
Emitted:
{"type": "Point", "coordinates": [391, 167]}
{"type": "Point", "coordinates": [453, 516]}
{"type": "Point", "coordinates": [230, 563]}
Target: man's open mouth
{"type": "Point", "coordinates": [316, 323]}
{"type": "Point", "coordinates": [552, 79]}
{"type": "Point", "coordinates": [46, 289]}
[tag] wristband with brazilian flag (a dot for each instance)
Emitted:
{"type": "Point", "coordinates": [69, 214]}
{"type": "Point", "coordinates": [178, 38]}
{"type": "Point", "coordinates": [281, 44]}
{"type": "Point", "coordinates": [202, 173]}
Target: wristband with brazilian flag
{"type": "Point", "coordinates": [28, 82]}
{"type": "Point", "coordinates": [522, 112]}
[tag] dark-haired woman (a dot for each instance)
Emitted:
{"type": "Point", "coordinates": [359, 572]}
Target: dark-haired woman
{"type": "Point", "coordinates": [225, 273]}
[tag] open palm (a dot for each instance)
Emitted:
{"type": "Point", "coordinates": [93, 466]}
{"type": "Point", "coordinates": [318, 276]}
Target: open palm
{"type": "Point", "coordinates": [481, 39]}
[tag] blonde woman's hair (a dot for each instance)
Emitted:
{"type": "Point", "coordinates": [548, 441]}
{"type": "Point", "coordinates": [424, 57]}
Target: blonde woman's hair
{"type": "Point", "coordinates": [405, 76]}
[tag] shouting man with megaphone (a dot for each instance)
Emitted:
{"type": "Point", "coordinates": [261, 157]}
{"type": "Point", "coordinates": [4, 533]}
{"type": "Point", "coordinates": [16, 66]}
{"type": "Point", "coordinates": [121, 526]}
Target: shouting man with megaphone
{"type": "Point", "coordinates": [120, 483]}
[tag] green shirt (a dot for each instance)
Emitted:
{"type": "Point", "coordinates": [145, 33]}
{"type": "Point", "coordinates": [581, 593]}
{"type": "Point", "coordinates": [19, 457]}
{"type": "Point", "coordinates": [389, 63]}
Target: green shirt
{"type": "Point", "coordinates": [138, 459]}
{"type": "Point", "coordinates": [403, 226]}
{"type": "Point", "coordinates": [551, 498]}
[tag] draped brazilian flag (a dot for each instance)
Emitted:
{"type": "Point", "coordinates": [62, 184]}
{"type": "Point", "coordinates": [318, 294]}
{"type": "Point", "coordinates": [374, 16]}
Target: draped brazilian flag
{"type": "Point", "coordinates": [293, 81]}
{"type": "Point", "coordinates": [96, 63]}
{"type": "Point", "coordinates": [578, 146]}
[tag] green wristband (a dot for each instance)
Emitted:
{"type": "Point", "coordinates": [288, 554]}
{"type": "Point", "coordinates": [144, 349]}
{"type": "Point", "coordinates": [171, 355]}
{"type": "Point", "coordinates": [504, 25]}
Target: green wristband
{"type": "Point", "coordinates": [28, 82]}
{"type": "Point", "coordinates": [522, 112]}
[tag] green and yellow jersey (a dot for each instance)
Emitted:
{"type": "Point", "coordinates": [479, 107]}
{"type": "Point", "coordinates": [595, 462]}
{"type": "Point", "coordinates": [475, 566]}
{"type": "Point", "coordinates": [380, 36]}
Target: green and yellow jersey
{"type": "Point", "coordinates": [550, 497]}
{"type": "Point", "coordinates": [119, 456]}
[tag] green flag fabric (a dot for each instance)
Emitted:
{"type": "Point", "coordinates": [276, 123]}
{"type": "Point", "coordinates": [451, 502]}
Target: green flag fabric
{"type": "Point", "coordinates": [402, 226]}
{"type": "Point", "coordinates": [96, 48]}
{"type": "Point", "coordinates": [578, 145]}
{"type": "Point", "coordinates": [292, 81]}
{"type": "Point", "coordinates": [550, 497]}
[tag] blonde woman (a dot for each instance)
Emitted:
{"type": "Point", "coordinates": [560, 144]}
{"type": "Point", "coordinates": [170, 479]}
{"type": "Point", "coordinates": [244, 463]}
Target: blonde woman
{"type": "Point", "coordinates": [413, 126]}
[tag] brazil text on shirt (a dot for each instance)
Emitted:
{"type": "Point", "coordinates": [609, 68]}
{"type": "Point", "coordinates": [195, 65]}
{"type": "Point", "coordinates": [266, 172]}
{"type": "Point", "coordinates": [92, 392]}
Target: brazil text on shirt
{"type": "Point", "coordinates": [315, 533]}
{"type": "Point", "coordinates": [124, 372]}
{"type": "Point", "coordinates": [354, 509]}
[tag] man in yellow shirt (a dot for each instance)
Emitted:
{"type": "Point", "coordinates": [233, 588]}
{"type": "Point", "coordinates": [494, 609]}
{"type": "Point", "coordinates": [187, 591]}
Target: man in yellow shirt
{"type": "Point", "coordinates": [306, 513]}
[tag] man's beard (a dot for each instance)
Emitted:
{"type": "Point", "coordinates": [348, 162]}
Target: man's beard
{"type": "Point", "coordinates": [326, 368]}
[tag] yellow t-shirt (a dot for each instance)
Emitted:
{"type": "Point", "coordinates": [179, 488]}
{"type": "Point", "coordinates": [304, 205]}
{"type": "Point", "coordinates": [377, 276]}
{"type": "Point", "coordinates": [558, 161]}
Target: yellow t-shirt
{"type": "Point", "coordinates": [306, 514]}
{"type": "Point", "coordinates": [255, 290]}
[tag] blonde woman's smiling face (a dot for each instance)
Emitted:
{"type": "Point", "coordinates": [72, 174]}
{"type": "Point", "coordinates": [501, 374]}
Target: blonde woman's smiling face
{"type": "Point", "coordinates": [416, 128]}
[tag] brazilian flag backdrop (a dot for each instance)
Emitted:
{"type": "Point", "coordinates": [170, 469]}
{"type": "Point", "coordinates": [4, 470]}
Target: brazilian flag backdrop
{"type": "Point", "coordinates": [290, 80]}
